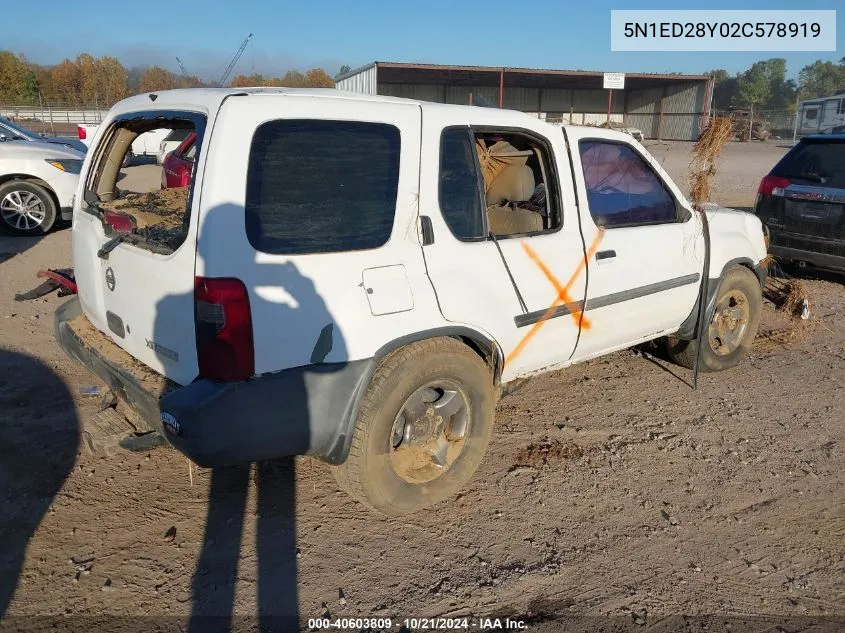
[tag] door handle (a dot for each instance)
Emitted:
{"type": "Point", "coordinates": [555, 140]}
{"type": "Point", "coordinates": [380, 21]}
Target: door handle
{"type": "Point", "coordinates": [427, 230]}
{"type": "Point", "coordinates": [605, 255]}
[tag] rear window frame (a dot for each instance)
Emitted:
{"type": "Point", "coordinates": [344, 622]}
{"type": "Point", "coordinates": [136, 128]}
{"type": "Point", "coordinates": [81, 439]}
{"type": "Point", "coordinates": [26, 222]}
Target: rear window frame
{"type": "Point", "coordinates": [396, 168]}
{"type": "Point", "coordinates": [197, 118]}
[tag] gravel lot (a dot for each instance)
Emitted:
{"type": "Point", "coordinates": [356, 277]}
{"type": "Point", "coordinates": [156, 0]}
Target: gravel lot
{"type": "Point", "coordinates": [740, 168]}
{"type": "Point", "coordinates": [613, 497]}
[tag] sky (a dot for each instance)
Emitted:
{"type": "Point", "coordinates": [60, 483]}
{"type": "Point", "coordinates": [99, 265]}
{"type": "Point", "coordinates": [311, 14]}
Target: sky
{"type": "Point", "coordinates": [328, 34]}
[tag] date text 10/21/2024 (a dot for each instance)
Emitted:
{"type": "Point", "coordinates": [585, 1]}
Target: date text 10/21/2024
{"type": "Point", "coordinates": [418, 624]}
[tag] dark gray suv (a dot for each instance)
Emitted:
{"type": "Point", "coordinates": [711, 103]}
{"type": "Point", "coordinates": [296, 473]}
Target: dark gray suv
{"type": "Point", "coordinates": [802, 202]}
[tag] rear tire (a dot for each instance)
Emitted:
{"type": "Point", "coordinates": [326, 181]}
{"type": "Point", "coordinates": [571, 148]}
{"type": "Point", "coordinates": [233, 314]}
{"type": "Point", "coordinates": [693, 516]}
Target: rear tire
{"type": "Point", "coordinates": [739, 303]}
{"type": "Point", "coordinates": [26, 208]}
{"type": "Point", "coordinates": [391, 467]}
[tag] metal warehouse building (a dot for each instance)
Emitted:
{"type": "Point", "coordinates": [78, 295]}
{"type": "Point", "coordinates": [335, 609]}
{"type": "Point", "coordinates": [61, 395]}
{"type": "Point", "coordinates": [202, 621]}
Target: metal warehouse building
{"type": "Point", "coordinates": [673, 107]}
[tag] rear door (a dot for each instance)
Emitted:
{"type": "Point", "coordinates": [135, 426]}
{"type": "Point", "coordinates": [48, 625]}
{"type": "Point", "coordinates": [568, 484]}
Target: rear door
{"type": "Point", "coordinates": [138, 288]}
{"type": "Point", "coordinates": [525, 287]}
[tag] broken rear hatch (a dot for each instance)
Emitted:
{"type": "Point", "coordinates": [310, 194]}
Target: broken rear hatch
{"type": "Point", "coordinates": [134, 248]}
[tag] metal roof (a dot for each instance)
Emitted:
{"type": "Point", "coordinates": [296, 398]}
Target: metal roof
{"type": "Point", "coordinates": [400, 72]}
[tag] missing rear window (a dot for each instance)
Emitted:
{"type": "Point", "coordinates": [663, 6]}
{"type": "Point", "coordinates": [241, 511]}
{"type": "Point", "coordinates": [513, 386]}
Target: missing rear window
{"type": "Point", "coordinates": [142, 181]}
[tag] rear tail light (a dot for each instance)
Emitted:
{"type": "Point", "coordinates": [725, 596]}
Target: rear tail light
{"type": "Point", "coordinates": [81, 133]}
{"type": "Point", "coordinates": [773, 186]}
{"type": "Point", "coordinates": [225, 351]}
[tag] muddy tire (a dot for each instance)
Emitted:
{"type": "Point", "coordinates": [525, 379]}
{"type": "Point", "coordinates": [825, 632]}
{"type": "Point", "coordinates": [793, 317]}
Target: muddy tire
{"type": "Point", "coordinates": [731, 331]}
{"type": "Point", "coordinates": [422, 429]}
{"type": "Point", "coordinates": [26, 208]}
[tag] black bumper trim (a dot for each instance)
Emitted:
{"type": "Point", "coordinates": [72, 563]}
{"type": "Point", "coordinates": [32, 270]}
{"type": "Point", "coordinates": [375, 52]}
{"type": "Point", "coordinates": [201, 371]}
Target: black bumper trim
{"type": "Point", "coordinates": [521, 320]}
{"type": "Point", "coordinates": [300, 411]}
{"type": "Point", "coordinates": [821, 260]}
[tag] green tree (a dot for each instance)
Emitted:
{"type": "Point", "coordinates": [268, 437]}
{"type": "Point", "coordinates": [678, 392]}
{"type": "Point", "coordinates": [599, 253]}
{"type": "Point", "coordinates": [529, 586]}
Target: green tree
{"type": "Point", "coordinates": [754, 86]}
{"type": "Point", "coordinates": [13, 76]}
{"type": "Point", "coordinates": [724, 88]}
{"type": "Point", "coordinates": [31, 86]}
{"type": "Point", "coordinates": [821, 79]}
{"type": "Point", "coordinates": [344, 69]}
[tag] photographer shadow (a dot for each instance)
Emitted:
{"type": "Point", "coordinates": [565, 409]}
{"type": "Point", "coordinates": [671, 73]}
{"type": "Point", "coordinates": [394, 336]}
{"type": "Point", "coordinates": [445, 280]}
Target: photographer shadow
{"type": "Point", "coordinates": [302, 330]}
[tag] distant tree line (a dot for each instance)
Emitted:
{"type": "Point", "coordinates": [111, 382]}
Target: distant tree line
{"type": "Point", "coordinates": [104, 81]}
{"type": "Point", "coordinates": [765, 86]}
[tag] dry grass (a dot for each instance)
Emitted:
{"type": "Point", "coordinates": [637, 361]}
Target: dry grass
{"type": "Point", "coordinates": [787, 294]}
{"type": "Point", "coordinates": [702, 165]}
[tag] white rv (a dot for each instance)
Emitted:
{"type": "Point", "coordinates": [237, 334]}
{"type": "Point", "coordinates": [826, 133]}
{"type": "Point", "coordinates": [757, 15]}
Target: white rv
{"type": "Point", "coordinates": [822, 115]}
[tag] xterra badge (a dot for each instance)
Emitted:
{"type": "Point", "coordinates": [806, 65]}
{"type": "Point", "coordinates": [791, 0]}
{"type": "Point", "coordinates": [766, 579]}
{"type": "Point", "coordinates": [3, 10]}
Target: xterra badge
{"type": "Point", "coordinates": [170, 423]}
{"type": "Point", "coordinates": [110, 278]}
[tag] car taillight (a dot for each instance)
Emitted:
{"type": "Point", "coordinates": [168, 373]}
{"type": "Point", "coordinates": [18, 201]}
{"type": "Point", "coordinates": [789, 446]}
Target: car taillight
{"type": "Point", "coordinates": [81, 133]}
{"type": "Point", "coordinates": [773, 186]}
{"type": "Point", "coordinates": [183, 172]}
{"type": "Point", "coordinates": [225, 351]}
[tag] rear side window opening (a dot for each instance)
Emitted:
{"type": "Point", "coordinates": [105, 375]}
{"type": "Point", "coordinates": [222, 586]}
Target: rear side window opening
{"type": "Point", "coordinates": [506, 176]}
{"type": "Point", "coordinates": [321, 186]}
{"type": "Point", "coordinates": [135, 202]}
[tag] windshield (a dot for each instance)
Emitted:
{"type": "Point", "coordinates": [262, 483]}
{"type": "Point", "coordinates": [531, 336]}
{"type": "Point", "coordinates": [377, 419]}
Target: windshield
{"type": "Point", "coordinates": [18, 129]}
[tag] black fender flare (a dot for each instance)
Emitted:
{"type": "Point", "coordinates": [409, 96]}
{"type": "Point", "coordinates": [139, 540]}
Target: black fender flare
{"type": "Point", "coordinates": [689, 328]}
{"type": "Point", "coordinates": [483, 345]}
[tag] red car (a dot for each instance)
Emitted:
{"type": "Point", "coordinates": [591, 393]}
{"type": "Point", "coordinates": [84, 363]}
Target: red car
{"type": "Point", "coordinates": [177, 167]}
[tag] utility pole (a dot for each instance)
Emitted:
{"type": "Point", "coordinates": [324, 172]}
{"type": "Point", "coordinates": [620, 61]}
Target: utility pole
{"type": "Point", "coordinates": [797, 110]}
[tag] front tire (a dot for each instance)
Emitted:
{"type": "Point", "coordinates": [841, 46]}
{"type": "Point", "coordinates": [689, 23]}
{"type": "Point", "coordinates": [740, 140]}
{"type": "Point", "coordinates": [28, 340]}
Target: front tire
{"type": "Point", "coordinates": [732, 328]}
{"type": "Point", "coordinates": [422, 429]}
{"type": "Point", "coordinates": [26, 208]}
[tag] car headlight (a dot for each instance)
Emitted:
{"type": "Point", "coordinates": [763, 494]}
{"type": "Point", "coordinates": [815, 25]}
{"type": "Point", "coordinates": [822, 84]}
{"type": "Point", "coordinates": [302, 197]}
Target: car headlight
{"type": "Point", "coordinates": [70, 165]}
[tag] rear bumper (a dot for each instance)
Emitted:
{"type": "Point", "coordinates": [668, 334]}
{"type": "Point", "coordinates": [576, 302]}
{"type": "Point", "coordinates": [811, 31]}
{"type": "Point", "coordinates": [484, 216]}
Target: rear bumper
{"type": "Point", "coordinates": [301, 411]}
{"type": "Point", "coordinates": [822, 260]}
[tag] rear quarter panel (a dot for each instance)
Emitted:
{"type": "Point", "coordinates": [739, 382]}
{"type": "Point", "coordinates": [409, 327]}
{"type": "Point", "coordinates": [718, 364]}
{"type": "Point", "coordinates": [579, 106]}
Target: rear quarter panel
{"type": "Point", "coordinates": [313, 307]}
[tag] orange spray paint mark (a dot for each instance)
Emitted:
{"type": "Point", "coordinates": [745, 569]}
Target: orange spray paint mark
{"type": "Point", "coordinates": [563, 297]}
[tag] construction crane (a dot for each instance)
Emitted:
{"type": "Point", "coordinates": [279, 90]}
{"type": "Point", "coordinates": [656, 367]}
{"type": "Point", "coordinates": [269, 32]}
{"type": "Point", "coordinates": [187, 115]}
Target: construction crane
{"type": "Point", "coordinates": [234, 61]}
{"type": "Point", "coordinates": [182, 66]}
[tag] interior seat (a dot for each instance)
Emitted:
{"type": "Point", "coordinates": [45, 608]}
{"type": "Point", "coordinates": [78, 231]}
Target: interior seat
{"type": "Point", "coordinates": [513, 184]}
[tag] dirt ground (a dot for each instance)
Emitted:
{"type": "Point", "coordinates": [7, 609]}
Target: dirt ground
{"type": "Point", "coordinates": [613, 497]}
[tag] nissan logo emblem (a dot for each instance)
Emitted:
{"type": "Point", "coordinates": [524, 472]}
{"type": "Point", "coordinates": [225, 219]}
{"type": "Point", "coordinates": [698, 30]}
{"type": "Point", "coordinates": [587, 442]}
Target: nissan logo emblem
{"type": "Point", "coordinates": [110, 278]}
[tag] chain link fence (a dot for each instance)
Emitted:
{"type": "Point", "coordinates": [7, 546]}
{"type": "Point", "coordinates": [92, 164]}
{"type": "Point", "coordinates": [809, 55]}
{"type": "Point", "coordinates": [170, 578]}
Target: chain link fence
{"type": "Point", "coordinates": [760, 125]}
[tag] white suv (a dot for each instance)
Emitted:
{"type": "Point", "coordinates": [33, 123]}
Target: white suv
{"type": "Point", "coordinates": [37, 184]}
{"type": "Point", "coordinates": [354, 277]}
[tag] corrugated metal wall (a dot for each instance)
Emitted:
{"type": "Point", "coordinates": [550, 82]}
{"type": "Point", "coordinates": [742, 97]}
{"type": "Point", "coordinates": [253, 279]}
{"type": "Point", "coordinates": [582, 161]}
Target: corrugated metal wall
{"type": "Point", "coordinates": [364, 82]}
{"type": "Point", "coordinates": [683, 103]}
